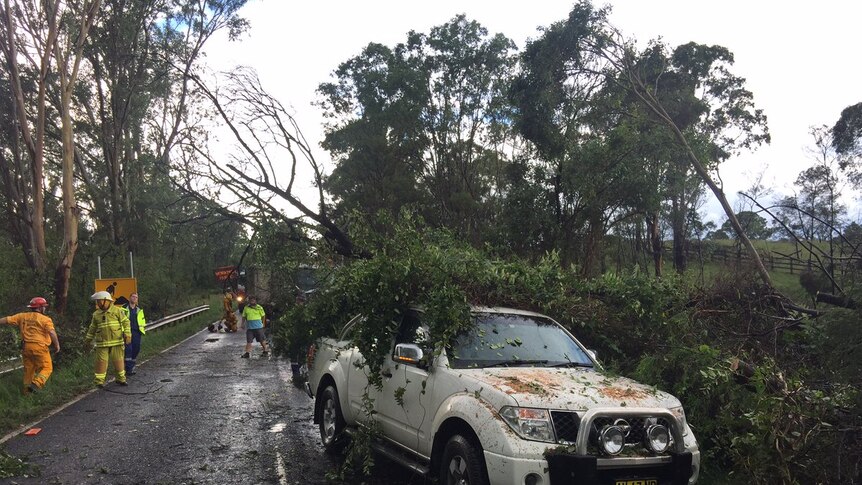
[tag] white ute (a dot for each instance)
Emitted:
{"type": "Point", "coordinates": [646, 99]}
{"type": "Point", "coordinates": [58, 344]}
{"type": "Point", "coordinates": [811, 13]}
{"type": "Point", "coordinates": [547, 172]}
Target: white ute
{"type": "Point", "coordinates": [515, 400]}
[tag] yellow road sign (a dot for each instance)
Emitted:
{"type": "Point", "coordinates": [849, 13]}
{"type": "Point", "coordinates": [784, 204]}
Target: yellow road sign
{"type": "Point", "coordinates": [118, 287]}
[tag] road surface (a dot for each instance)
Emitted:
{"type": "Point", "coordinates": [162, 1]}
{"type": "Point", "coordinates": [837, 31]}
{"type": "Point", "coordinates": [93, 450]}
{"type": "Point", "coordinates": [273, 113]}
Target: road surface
{"type": "Point", "coordinates": [197, 413]}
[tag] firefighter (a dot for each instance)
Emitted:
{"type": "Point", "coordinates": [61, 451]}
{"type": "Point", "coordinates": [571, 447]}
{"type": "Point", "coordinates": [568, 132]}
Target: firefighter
{"type": "Point", "coordinates": [37, 334]}
{"type": "Point", "coordinates": [110, 331]}
{"type": "Point", "coordinates": [229, 316]}
{"type": "Point", "coordinates": [138, 323]}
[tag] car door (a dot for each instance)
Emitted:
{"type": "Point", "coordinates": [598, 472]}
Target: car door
{"type": "Point", "coordinates": [400, 407]}
{"type": "Point", "coordinates": [356, 376]}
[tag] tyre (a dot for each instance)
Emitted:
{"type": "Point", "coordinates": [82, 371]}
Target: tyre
{"type": "Point", "coordinates": [462, 463]}
{"type": "Point", "coordinates": [331, 421]}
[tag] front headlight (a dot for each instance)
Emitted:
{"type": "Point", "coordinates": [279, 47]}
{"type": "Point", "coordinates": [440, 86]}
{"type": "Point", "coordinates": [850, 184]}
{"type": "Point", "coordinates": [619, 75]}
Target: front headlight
{"type": "Point", "coordinates": [529, 423]}
{"type": "Point", "coordinates": [679, 412]}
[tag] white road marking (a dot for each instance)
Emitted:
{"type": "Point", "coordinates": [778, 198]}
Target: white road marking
{"type": "Point", "coordinates": [279, 465]}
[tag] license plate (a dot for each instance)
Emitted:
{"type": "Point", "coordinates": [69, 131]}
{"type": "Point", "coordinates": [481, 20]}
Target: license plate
{"type": "Point", "coordinates": [642, 481]}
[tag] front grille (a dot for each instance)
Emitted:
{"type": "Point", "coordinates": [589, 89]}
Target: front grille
{"type": "Point", "coordinates": [566, 425]}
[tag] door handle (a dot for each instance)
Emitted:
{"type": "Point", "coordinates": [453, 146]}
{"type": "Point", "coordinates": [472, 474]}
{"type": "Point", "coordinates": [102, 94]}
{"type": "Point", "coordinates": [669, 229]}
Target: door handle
{"type": "Point", "coordinates": [386, 373]}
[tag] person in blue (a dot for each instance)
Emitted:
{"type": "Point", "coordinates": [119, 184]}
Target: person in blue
{"type": "Point", "coordinates": [254, 318]}
{"type": "Point", "coordinates": [138, 322]}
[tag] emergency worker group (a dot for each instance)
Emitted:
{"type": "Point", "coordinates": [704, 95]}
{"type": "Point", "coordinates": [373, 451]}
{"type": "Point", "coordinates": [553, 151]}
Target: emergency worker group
{"type": "Point", "coordinates": [114, 332]}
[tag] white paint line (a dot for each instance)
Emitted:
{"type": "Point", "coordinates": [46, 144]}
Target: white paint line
{"type": "Point", "coordinates": [279, 466]}
{"type": "Point", "coordinates": [18, 431]}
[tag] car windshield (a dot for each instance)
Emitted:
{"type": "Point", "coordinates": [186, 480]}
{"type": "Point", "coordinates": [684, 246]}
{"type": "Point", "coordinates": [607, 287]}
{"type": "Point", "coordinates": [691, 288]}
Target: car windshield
{"type": "Point", "coordinates": [510, 340]}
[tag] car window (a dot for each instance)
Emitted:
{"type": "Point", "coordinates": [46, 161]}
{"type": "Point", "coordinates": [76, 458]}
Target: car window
{"type": "Point", "coordinates": [412, 331]}
{"type": "Point", "coordinates": [498, 339]}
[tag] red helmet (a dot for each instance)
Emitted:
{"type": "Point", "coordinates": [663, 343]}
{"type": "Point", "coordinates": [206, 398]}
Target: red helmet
{"type": "Point", "coordinates": [38, 302]}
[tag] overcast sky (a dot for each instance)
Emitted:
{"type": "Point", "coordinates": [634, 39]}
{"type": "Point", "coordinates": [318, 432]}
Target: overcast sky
{"type": "Point", "coordinates": [801, 59]}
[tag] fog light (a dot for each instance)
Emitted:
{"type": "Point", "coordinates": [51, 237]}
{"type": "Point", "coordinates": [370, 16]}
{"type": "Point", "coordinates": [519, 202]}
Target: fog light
{"type": "Point", "coordinates": [533, 479]}
{"type": "Point", "coordinates": [657, 438]}
{"type": "Point", "coordinates": [612, 440]}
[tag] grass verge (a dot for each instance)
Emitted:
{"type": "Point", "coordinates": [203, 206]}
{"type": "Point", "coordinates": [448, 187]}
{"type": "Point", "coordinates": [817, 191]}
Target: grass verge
{"type": "Point", "coordinates": [74, 376]}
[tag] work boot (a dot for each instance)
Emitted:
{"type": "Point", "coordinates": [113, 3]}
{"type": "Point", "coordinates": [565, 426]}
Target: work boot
{"type": "Point", "coordinates": [33, 388]}
{"type": "Point", "coordinates": [265, 353]}
{"type": "Point", "coordinates": [245, 355]}
{"type": "Point", "coordinates": [123, 383]}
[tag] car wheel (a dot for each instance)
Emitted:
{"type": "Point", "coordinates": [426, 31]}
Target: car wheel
{"type": "Point", "coordinates": [331, 421]}
{"type": "Point", "coordinates": [462, 463]}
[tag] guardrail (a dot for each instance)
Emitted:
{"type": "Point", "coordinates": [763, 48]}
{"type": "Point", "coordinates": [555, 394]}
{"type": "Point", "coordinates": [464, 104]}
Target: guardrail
{"type": "Point", "coordinates": [177, 317]}
{"type": "Point", "coordinates": [154, 325]}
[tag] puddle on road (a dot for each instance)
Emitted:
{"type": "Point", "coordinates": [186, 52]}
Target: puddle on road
{"type": "Point", "coordinates": [278, 427]}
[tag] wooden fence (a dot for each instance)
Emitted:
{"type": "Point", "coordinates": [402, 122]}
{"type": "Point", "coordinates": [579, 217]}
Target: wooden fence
{"type": "Point", "coordinates": [774, 261]}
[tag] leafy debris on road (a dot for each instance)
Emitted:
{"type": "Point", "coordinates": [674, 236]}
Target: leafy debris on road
{"type": "Point", "coordinates": [12, 466]}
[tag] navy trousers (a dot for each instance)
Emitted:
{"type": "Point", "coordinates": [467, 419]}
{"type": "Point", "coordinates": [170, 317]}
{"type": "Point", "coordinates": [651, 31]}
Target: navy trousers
{"type": "Point", "coordinates": [132, 351]}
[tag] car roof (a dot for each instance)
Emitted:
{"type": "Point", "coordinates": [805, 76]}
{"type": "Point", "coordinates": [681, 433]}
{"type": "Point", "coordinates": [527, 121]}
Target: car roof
{"type": "Point", "coordinates": [487, 309]}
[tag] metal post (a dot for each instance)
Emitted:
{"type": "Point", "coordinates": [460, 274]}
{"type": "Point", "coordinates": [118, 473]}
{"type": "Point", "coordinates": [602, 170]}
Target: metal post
{"type": "Point", "coordinates": [131, 264]}
{"type": "Point", "coordinates": [99, 260]}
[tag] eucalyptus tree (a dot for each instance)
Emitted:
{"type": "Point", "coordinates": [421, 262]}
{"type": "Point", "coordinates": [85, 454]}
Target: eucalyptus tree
{"type": "Point", "coordinates": [260, 181]}
{"type": "Point", "coordinates": [47, 38]}
{"type": "Point", "coordinates": [424, 121]}
{"type": "Point", "coordinates": [138, 99]}
{"type": "Point", "coordinates": [590, 52]}
{"type": "Point", "coordinates": [639, 166]}
{"type": "Point", "coordinates": [29, 32]}
{"type": "Point", "coordinates": [847, 132]}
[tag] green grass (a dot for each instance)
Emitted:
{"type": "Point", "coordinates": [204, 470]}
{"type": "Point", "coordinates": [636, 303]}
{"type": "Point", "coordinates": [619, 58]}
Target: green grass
{"type": "Point", "coordinates": [75, 376]}
{"type": "Point", "coordinates": [786, 283]}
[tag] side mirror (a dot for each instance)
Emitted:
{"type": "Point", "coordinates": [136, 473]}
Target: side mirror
{"type": "Point", "coordinates": [593, 354]}
{"type": "Point", "coordinates": [408, 354]}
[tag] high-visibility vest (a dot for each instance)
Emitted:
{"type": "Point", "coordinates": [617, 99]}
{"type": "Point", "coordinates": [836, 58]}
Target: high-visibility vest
{"type": "Point", "coordinates": [142, 321]}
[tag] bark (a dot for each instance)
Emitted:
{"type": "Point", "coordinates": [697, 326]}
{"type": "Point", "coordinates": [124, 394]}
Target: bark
{"type": "Point", "coordinates": [836, 300]}
{"type": "Point", "coordinates": [679, 240]}
{"type": "Point", "coordinates": [655, 243]}
{"type": "Point", "coordinates": [593, 247]}
{"type": "Point", "coordinates": [34, 139]}
{"type": "Point", "coordinates": [743, 372]}
{"type": "Point", "coordinates": [68, 64]}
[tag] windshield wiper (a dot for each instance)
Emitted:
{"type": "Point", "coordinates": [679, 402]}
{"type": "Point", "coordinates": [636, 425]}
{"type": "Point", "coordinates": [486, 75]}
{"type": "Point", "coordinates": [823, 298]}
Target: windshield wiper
{"type": "Point", "coordinates": [572, 364]}
{"type": "Point", "coordinates": [516, 363]}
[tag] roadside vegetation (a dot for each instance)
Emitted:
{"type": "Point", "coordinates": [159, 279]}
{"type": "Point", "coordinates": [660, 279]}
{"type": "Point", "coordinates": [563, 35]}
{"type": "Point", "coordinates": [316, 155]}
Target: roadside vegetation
{"type": "Point", "coordinates": [568, 176]}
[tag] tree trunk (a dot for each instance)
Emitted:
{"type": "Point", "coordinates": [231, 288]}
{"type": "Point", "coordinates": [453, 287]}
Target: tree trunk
{"type": "Point", "coordinates": [63, 272]}
{"type": "Point", "coordinates": [654, 233]}
{"type": "Point", "coordinates": [68, 74]}
{"type": "Point", "coordinates": [679, 240]}
{"type": "Point", "coordinates": [35, 143]}
{"type": "Point", "coordinates": [593, 246]}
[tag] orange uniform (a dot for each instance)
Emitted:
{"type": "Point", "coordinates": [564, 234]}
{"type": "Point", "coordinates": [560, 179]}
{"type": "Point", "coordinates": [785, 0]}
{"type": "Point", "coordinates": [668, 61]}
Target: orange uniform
{"type": "Point", "coordinates": [36, 331]}
{"type": "Point", "coordinates": [228, 317]}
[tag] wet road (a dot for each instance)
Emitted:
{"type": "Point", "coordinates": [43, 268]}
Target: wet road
{"type": "Point", "coordinates": [197, 413]}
